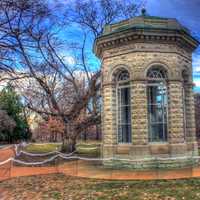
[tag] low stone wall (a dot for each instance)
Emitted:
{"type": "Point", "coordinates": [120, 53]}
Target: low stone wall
{"type": "Point", "coordinates": [149, 164]}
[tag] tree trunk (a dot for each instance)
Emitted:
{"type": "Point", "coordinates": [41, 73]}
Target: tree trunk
{"type": "Point", "coordinates": [85, 135]}
{"type": "Point", "coordinates": [69, 145]}
{"type": "Point", "coordinates": [97, 132]}
{"type": "Point", "coordinates": [72, 144]}
{"type": "Point", "coordinates": [63, 143]}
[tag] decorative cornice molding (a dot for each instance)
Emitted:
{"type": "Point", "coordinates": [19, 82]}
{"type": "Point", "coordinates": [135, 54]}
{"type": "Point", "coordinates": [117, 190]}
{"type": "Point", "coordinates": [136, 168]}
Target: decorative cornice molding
{"type": "Point", "coordinates": [189, 59]}
{"type": "Point", "coordinates": [137, 36]}
{"type": "Point", "coordinates": [146, 81]}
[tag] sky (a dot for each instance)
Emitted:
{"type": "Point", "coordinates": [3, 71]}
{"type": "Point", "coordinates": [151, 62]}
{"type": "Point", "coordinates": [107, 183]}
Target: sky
{"type": "Point", "coordinates": [187, 12]}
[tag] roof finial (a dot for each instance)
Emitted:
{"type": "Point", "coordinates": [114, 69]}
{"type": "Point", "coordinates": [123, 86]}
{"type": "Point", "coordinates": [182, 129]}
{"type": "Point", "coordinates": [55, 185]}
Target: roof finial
{"type": "Point", "coordinates": [144, 12]}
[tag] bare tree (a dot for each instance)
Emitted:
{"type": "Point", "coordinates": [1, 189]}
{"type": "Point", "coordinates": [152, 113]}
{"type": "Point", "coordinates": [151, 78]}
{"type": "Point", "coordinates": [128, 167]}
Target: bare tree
{"type": "Point", "coordinates": [96, 14]}
{"type": "Point", "coordinates": [92, 16]}
{"type": "Point", "coordinates": [31, 58]}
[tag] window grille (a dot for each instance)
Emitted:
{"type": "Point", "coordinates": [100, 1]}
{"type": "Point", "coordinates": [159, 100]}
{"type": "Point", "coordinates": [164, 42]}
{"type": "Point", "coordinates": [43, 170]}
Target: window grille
{"type": "Point", "coordinates": [123, 107]}
{"type": "Point", "coordinates": [157, 105]}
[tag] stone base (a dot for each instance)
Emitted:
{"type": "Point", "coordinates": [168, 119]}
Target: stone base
{"type": "Point", "coordinates": [150, 156]}
{"type": "Point", "coordinates": [181, 162]}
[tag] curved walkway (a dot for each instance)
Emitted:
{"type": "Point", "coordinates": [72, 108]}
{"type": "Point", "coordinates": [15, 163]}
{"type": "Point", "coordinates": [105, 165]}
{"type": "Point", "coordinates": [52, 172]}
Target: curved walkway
{"type": "Point", "coordinates": [83, 169]}
{"type": "Point", "coordinates": [87, 169]}
{"type": "Point", "coordinates": [5, 169]}
{"type": "Point", "coordinates": [6, 153]}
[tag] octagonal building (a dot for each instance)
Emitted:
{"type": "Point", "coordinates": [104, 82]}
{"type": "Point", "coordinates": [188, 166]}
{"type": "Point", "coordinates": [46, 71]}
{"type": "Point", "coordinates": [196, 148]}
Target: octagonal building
{"type": "Point", "coordinates": [147, 90]}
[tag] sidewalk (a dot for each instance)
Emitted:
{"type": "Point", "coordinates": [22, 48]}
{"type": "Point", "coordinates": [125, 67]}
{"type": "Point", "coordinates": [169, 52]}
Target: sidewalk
{"type": "Point", "coordinates": [86, 169]}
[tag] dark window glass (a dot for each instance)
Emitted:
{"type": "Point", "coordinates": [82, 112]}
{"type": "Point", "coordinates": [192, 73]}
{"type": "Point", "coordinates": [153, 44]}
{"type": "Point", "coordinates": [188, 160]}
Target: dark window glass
{"type": "Point", "coordinates": [124, 115]}
{"type": "Point", "coordinates": [157, 109]}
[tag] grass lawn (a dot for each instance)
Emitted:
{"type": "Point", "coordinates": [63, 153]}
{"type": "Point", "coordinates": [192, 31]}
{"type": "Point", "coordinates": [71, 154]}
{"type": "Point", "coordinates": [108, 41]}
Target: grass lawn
{"type": "Point", "coordinates": [58, 186]}
{"type": "Point", "coordinates": [42, 148]}
{"type": "Point", "coordinates": [90, 148]}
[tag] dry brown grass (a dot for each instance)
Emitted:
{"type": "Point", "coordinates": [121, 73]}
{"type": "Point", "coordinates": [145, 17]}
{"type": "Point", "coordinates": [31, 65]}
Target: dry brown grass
{"type": "Point", "coordinates": [59, 186]}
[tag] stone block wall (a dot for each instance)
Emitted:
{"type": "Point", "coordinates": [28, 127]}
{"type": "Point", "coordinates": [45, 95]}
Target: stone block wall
{"type": "Point", "coordinates": [137, 58]}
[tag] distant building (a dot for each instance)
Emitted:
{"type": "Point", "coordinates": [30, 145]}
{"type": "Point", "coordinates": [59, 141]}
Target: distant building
{"type": "Point", "coordinates": [147, 89]}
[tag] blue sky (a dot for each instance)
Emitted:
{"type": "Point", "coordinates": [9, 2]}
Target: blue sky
{"type": "Point", "coordinates": [188, 13]}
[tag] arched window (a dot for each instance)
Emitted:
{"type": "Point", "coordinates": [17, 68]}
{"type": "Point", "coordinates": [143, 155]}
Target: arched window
{"type": "Point", "coordinates": [123, 106]}
{"type": "Point", "coordinates": [185, 77]}
{"type": "Point", "coordinates": [157, 104]}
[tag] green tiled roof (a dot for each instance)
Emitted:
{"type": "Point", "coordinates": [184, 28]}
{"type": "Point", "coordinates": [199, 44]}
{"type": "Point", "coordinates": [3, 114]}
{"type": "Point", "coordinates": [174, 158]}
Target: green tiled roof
{"type": "Point", "coordinates": [155, 17]}
{"type": "Point", "coordinates": [145, 22]}
{"type": "Point", "coordinates": [145, 28]}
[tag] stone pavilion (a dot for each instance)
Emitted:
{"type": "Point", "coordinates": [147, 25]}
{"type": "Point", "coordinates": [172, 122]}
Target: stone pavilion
{"type": "Point", "coordinates": [147, 90]}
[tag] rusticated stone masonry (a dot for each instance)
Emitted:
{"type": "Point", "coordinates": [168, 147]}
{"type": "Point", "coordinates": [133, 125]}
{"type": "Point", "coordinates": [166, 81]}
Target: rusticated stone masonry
{"type": "Point", "coordinates": [137, 51]}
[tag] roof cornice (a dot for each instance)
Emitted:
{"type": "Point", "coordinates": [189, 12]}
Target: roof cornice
{"type": "Point", "coordinates": [141, 35]}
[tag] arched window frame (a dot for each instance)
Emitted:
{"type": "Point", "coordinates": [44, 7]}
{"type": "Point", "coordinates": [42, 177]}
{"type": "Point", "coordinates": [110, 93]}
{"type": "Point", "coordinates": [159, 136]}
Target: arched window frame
{"type": "Point", "coordinates": [122, 80]}
{"type": "Point", "coordinates": [185, 77]}
{"type": "Point", "coordinates": [157, 105]}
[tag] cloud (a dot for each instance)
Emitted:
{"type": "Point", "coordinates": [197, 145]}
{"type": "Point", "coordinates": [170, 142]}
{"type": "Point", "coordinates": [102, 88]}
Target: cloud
{"type": "Point", "coordinates": [196, 71]}
{"type": "Point", "coordinates": [69, 60]}
{"type": "Point", "coordinates": [197, 82]}
{"type": "Point", "coordinates": [196, 63]}
{"type": "Point", "coordinates": [67, 57]}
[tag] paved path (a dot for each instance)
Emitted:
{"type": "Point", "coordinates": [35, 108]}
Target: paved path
{"type": "Point", "coordinates": [88, 170]}
{"type": "Point", "coordinates": [83, 169]}
{"type": "Point", "coordinates": [6, 153]}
